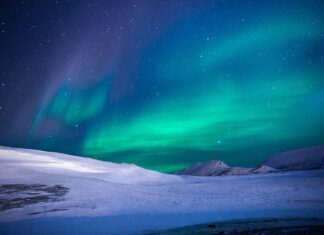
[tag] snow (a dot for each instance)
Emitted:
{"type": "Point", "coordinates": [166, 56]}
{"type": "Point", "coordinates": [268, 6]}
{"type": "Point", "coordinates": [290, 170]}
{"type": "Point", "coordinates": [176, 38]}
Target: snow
{"type": "Point", "coordinates": [57, 163]}
{"type": "Point", "coordinates": [218, 168]}
{"type": "Point", "coordinates": [213, 167]}
{"type": "Point", "coordinates": [300, 159]}
{"type": "Point", "coordinates": [306, 158]}
{"type": "Point", "coordinates": [109, 198]}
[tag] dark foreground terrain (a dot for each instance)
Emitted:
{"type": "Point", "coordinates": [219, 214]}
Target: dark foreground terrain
{"type": "Point", "coordinates": [298, 226]}
{"type": "Point", "coordinates": [20, 195]}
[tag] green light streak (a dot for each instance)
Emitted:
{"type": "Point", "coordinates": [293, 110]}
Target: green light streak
{"type": "Point", "coordinates": [224, 114]}
{"type": "Point", "coordinates": [74, 107]}
{"type": "Point", "coordinates": [213, 112]}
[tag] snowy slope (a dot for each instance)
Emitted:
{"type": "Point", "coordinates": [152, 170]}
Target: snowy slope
{"type": "Point", "coordinates": [218, 168]}
{"type": "Point", "coordinates": [307, 158]}
{"type": "Point", "coordinates": [50, 193]}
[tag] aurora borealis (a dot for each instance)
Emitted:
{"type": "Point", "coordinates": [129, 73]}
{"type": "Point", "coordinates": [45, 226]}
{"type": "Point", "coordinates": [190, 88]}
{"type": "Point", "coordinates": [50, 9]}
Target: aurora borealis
{"type": "Point", "coordinates": [163, 84]}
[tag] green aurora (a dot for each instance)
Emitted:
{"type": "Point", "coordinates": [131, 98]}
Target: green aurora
{"type": "Point", "coordinates": [172, 83]}
{"type": "Point", "coordinates": [217, 109]}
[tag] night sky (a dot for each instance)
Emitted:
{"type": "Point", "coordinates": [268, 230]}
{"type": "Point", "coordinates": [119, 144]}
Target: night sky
{"type": "Point", "coordinates": [162, 84]}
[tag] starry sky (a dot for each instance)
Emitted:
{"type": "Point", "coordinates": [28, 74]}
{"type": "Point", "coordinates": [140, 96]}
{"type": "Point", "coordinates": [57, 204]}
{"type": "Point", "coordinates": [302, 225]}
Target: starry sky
{"type": "Point", "coordinates": [162, 84]}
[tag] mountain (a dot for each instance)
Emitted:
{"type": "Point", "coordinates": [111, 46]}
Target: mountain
{"type": "Point", "coordinates": [300, 159]}
{"type": "Point", "coordinates": [218, 168]}
{"type": "Point", "coordinates": [213, 167]}
{"type": "Point", "coordinates": [247, 171]}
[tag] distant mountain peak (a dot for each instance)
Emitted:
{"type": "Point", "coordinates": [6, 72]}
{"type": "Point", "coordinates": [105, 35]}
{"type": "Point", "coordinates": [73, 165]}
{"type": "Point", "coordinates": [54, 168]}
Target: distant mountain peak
{"type": "Point", "coordinates": [205, 168]}
{"type": "Point", "coordinates": [219, 168]}
{"type": "Point", "coordinates": [214, 163]}
{"type": "Point", "coordinates": [299, 159]}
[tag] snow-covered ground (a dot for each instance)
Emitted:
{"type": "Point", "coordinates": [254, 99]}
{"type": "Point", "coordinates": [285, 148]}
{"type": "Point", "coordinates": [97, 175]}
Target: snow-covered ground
{"type": "Point", "coordinates": [59, 193]}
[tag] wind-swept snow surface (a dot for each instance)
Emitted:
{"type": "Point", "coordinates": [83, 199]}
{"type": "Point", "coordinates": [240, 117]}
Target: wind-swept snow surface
{"type": "Point", "coordinates": [50, 193]}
